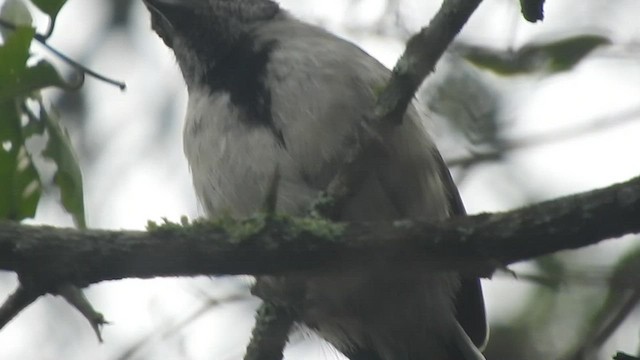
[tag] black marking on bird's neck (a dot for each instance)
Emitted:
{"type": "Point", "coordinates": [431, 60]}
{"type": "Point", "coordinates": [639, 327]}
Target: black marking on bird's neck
{"type": "Point", "coordinates": [217, 47]}
{"type": "Point", "coordinates": [234, 61]}
{"type": "Point", "coordinates": [242, 74]}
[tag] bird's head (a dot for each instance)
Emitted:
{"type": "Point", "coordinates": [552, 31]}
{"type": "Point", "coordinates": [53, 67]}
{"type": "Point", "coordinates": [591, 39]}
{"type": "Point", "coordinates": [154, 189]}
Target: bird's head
{"type": "Point", "coordinates": [202, 32]}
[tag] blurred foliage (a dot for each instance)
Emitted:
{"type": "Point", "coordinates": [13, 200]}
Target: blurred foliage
{"type": "Point", "coordinates": [49, 7]}
{"type": "Point", "coordinates": [469, 103]}
{"type": "Point", "coordinates": [567, 315]}
{"type": "Point", "coordinates": [24, 115]}
{"type": "Point", "coordinates": [623, 296]}
{"type": "Point", "coordinates": [68, 176]}
{"type": "Point", "coordinates": [20, 186]}
{"type": "Point", "coordinates": [548, 56]}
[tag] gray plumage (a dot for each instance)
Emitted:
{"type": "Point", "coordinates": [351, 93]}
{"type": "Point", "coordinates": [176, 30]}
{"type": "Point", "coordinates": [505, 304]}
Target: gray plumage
{"type": "Point", "coordinates": [268, 91]}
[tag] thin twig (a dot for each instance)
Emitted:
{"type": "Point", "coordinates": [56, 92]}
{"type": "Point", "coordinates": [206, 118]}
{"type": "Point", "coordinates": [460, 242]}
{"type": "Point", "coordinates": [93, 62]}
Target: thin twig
{"type": "Point", "coordinates": [134, 350]}
{"type": "Point", "coordinates": [584, 128]}
{"type": "Point", "coordinates": [42, 39]}
{"type": "Point", "coordinates": [16, 302]}
{"type": "Point", "coordinates": [271, 332]}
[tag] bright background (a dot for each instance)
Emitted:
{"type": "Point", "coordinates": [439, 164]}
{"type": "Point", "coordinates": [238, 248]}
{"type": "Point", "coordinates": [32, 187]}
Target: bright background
{"type": "Point", "coordinates": [130, 149]}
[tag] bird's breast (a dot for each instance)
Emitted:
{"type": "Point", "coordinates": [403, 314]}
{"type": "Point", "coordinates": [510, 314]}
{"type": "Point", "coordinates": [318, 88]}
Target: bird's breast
{"type": "Point", "coordinates": [232, 161]}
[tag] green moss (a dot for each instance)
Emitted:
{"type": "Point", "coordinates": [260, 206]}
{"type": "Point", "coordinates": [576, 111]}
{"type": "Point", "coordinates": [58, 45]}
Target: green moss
{"type": "Point", "coordinates": [323, 207]}
{"type": "Point", "coordinates": [246, 229]}
{"type": "Point", "coordinates": [379, 88]}
{"type": "Point", "coordinates": [167, 224]}
{"type": "Point", "coordinates": [317, 227]}
{"type": "Point", "coordinates": [259, 227]}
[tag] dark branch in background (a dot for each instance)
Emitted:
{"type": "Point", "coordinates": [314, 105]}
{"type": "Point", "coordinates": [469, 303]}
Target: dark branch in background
{"type": "Point", "coordinates": [170, 329]}
{"type": "Point", "coordinates": [623, 356]}
{"type": "Point", "coordinates": [506, 145]}
{"type": "Point", "coordinates": [82, 70]}
{"type": "Point", "coordinates": [628, 303]}
{"type": "Point", "coordinates": [622, 299]}
{"type": "Point", "coordinates": [476, 244]}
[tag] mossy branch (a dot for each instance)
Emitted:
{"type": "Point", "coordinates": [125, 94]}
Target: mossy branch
{"type": "Point", "coordinates": [476, 244]}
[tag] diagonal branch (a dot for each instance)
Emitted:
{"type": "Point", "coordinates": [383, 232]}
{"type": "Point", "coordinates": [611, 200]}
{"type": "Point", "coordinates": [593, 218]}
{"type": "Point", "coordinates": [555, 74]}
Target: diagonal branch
{"type": "Point", "coordinates": [419, 59]}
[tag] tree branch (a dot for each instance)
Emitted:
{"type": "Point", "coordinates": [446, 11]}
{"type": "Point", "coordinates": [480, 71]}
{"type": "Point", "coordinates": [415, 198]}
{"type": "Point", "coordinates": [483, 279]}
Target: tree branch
{"type": "Point", "coordinates": [271, 333]}
{"type": "Point", "coordinates": [476, 244]}
{"type": "Point", "coordinates": [16, 302]}
{"type": "Point", "coordinates": [422, 52]}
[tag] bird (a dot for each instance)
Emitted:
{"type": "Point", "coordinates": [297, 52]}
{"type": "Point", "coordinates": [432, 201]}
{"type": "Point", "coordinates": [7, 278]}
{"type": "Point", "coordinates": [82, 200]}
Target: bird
{"type": "Point", "coordinates": [270, 93]}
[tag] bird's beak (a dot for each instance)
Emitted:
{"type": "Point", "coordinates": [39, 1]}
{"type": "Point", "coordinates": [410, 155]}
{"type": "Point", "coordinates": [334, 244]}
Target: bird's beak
{"type": "Point", "coordinates": [163, 15]}
{"type": "Point", "coordinates": [172, 10]}
{"type": "Point", "coordinates": [158, 6]}
{"type": "Point", "coordinates": [168, 5]}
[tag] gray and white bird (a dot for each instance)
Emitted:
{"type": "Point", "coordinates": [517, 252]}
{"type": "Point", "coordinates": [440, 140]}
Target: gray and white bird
{"type": "Point", "coordinates": [268, 91]}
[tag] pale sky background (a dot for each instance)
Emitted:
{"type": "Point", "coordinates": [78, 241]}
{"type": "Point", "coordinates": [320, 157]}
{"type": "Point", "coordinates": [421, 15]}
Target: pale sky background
{"type": "Point", "coordinates": [133, 181]}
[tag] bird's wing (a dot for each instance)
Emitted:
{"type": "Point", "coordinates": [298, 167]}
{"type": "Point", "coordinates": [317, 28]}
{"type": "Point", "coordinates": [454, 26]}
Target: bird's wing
{"type": "Point", "coordinates": [469, 301]}
{"type": "Point", "coordinates": [409, 181]}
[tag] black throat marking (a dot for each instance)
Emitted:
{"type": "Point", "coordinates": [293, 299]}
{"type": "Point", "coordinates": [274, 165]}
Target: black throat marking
{"type": "Point", "coordinates": [242, 73]}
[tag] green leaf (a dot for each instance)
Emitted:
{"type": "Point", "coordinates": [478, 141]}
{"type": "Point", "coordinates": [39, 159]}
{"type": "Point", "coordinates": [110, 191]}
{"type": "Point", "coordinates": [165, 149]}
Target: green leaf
{"type": "Point", "coordinates": [548, 57]}
{"type": "Point", "coordinates": [9, 123]}
{"type": "Point", "coordinates": [13, 57]}
{"type": "Point", "coordinates": [16, 13]}
{"type": "Point", "coordinates": [565, 54]}
{"type": "Point", "coordinates": [33, 78]}
{"type": "Point", "coordinates": [49, 7]}
{"type": "Point", "coordinates": [68, 176]}
{"type": "Point", "coordinates": [16, 78]}
{"type": "Point", "coordinates": [20, 188]}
